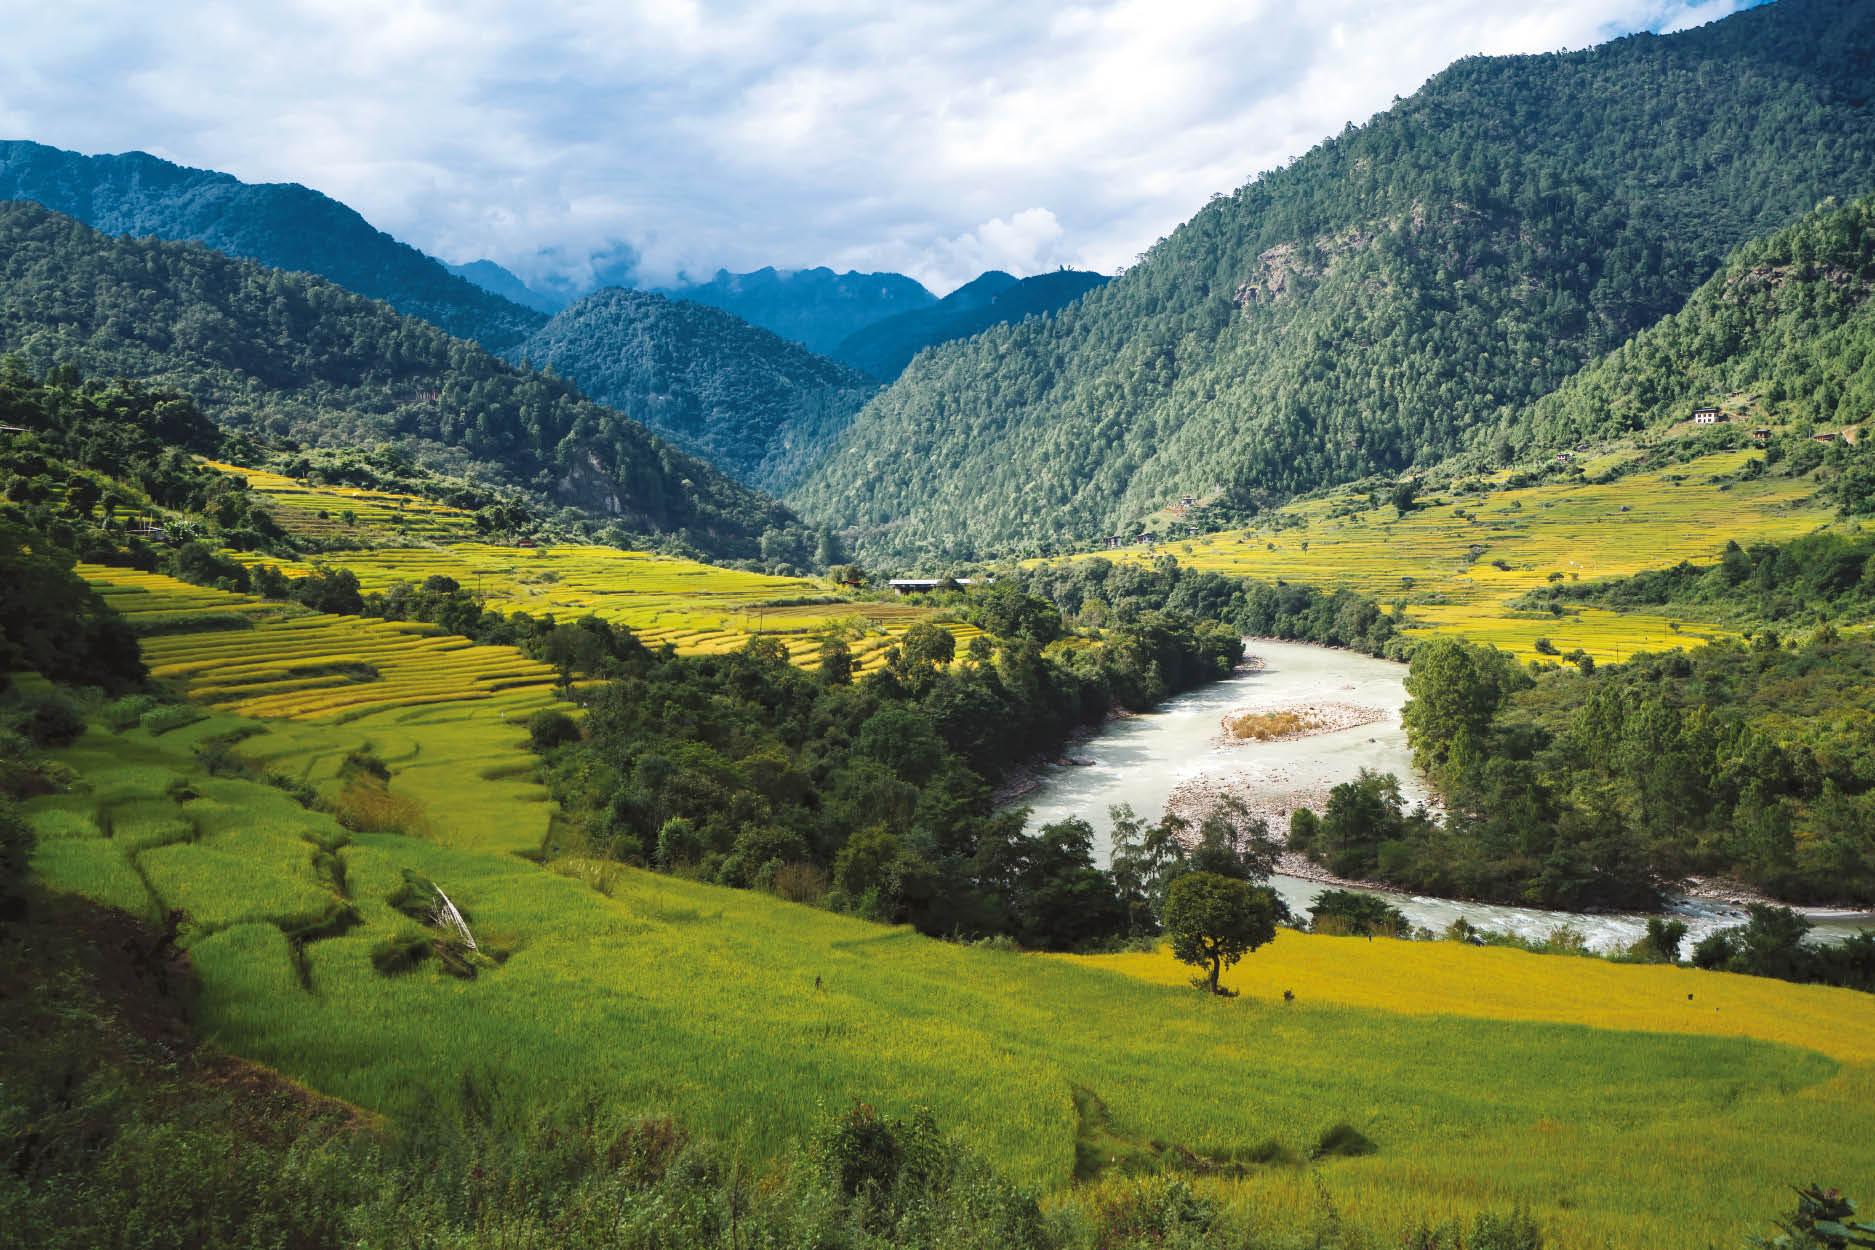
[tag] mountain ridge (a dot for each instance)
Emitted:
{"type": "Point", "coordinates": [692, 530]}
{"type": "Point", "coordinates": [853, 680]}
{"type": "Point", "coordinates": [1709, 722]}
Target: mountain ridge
{"type": "Point", "coordinates": [1362, 309]}
{"type": "Point", "coordinates": [289, 355]}
{"type": "Point", "coordinates": [283, 225]}
{"type": "Point", "coordinates": [761, 407]}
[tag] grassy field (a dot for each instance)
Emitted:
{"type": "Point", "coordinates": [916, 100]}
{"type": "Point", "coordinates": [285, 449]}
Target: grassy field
{"type": "Point", "coordinates": [1597, 1095]}
{"type": "Point", "coordinates": [698, 608]}
{"type": "Point", "coordinates": [1460, 573]}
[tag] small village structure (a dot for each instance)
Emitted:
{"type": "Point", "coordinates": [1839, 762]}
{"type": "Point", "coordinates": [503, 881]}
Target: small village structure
{"type": "Point", "coordinates": [925, 585]}
{"type": "Point", "coordinates": [1708, 416]}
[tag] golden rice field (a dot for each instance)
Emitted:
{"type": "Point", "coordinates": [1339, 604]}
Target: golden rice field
{"type": "Point", "coordinates": [1646, 520]}
{"type": "Point", "coordinates": [309, 665]}
{"type": "Point", "coordinates": [1596, 1095]}
{"type": "Point", "coordinates": [306, 510]}
{"type": "Point", "coordinates": [699, 609]}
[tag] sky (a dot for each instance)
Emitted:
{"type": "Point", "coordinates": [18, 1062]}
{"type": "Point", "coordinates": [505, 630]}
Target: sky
{"type": "Point", "coordinates": [573, 140]}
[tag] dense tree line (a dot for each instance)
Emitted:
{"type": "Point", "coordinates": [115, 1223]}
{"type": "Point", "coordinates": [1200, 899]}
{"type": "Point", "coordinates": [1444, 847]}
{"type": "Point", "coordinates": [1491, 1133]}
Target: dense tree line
{"type": "Point", "coordinates": [282, 226]}
{"type": "Point", "coordinates": [1599, 788]}
{"type": "Point", "coordinates": [287, 356]}
{"type": "Point", "coordinates": [1096, 591]}
{"type": "Point", "coordinates": [1402, 284]}
{"type": "Point", "coordinates": [752, 403]}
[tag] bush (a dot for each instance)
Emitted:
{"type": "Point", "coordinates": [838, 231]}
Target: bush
{"type": "Point", "coordinates": [160, 720]}
{"type": "Point", "coordinates": [51, 720]}
{"type": "Point", "coordinates": [547, 729]}
{"type": "Point", "coordinates": [125, 713]}
{"type": "Point", "coordinates": [16, 848]}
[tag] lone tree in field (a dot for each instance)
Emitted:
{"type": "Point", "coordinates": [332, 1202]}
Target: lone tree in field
{"type": "Point", "coordinates": [1214, 921]}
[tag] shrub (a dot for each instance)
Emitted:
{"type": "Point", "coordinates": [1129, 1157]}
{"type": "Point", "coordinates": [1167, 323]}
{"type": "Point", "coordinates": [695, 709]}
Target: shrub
{"type": "Point", "coordinates": [125, 713]}
{"type": "Point", "coordinates": [51, 720]}
{"type": "Point", "coordinates": [168, 716]}
{"type": "Point", "coordinates": [16, 848]}
{"type": "Point", "coordinates": [547, 729]}
{"type": "Point", "coordinates": [799, 883]}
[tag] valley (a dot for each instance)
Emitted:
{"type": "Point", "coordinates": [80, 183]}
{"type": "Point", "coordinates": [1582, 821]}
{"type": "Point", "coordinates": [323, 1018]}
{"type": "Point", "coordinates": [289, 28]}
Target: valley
{"type": "Point", "coordinates": [1352, 728]}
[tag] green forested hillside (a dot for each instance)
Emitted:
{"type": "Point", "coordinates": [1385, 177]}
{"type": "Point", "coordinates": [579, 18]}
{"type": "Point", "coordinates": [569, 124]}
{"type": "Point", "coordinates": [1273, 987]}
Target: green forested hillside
{"type": "Point", "coordinates": [282, 225]}
{"type": "Point", "coordinates": [284, 355]}
{"type": "Point", "coordinates": [815, 307]}
{"type": "Point", "coordinates": [884, 348]}
{"type": "Point", "coordinates": [1784, 333]}
{"type": "Point", "coordinates": [1363, 309]}
{"type": "Point", "coordinates": [751, 402]}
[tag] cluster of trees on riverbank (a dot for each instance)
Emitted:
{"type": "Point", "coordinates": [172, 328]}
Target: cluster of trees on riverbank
{"type": "Point", "coordinates": [1576, 790]}
{"type": "Point", "coordinates": [1094, 591]}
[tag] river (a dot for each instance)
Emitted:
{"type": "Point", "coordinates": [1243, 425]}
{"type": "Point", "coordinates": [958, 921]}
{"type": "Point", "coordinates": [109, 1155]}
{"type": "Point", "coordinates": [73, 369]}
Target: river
{"type": "Point", "coordinates": [1141, 760]}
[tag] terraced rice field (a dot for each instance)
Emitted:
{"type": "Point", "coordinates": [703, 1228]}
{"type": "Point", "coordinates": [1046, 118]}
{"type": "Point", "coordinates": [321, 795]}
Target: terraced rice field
{"type": "Point", "coordinates": [699, 609]}
{"type": "Point", "coordinates": [308, 665]}
{"type": "Point", "coordinates": [348, 512]}
{"type": "Point", "coordinates": [1446, 567]}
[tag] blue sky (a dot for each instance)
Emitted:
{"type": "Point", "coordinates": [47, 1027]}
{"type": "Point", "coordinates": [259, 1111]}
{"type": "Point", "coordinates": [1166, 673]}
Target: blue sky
{"type": "Point", "coordinates": [937, 139]}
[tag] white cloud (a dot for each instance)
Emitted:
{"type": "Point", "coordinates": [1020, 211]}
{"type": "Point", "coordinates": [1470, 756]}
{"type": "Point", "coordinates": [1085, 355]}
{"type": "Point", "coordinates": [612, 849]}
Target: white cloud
{"type": "Point", "coordinates": [939, 137]}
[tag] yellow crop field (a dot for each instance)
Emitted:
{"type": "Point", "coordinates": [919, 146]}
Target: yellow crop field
{"type": "Point", "coordinates": [1460, 573]}
{"type": "Point", "coordinates": [1500, 983]}
{"type": "Point", "coordinates": [348, 512]}
{"type": "Point", "coordinates": [310, 665]}
{"type": "Point", "coordinates": [699, 609]}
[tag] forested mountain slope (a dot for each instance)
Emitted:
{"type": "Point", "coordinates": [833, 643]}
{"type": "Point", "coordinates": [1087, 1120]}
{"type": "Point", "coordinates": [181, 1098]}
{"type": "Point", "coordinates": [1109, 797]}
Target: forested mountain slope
{"type": "Point", "coordinates": [286, 354]}
{"type": "Point", "coordinates": [1365, 308]}
{"type": "Point", "coordinates": [814, 307]}
{"type": "Point", "coordinates": [884, 348]}
{"type": "Point", "coordinates": [1784, 332]}
{"type": "Point", "coordinates": [283, 225]}
{"type": "Point", "coordinates": [753, 403]}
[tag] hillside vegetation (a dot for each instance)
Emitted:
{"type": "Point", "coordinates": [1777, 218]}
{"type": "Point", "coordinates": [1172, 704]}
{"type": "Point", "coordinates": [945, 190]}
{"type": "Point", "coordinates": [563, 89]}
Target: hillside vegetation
{"type": "Point", "coordinates": [1785, 332]}
{"type": "Point", "coordinates": [285, 356]}
{"type": "Point", "coordinates": [280, 225]}
{"type": "Point", "coordinates": [1365, 308]}
{"type": "Point", "coordinates": [752, 403]}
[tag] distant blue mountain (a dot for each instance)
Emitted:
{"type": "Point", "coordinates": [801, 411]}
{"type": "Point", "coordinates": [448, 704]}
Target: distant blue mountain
{"type": "Point", "coordinates": [883, 349]}
{"type": "Point", "coordinates": [498, 281]}
{"type": "Point", "coordinates": [815, 307]}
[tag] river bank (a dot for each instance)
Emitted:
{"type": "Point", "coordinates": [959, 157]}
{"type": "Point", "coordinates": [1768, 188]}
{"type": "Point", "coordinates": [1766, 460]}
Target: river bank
{"type": "Point", "coordinates": [1175, 758]}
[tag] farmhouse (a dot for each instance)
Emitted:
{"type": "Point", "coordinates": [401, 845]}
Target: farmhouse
{"type": "Point", "coordinates": [1762, 434]}
{"type": "Point", "coordinates": [925, 585]}
{"type": "Point", "coordinates": [1707, 416]}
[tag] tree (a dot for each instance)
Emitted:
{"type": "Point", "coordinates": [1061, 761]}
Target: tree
{"type": "Point", "coordinates": [1455, 688]}
{"type": "Point", "coordinates": [1215, 921]}
{"type": "Point", "coordinates": [1664, 938]}
{"type": "Point", "coordinates": [1406, 496]}
{"type": "Point", "coordinates": [836, 662]}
